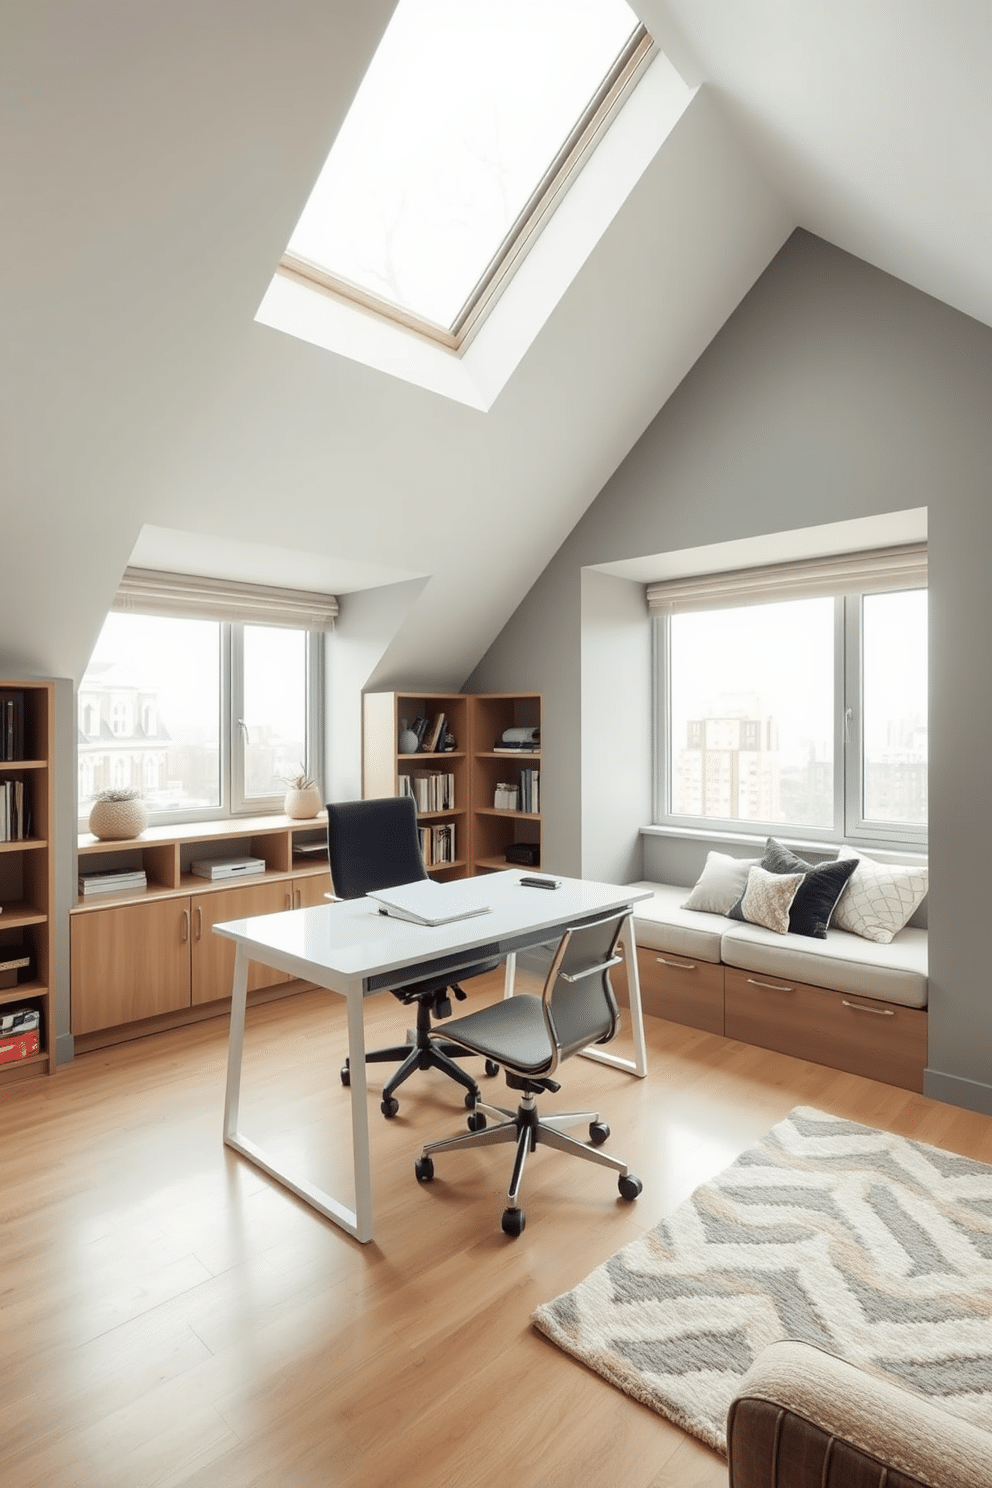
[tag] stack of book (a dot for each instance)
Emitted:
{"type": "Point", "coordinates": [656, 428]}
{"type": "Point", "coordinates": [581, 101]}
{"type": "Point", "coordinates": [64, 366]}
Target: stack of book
{"type": "Point", "coordinates": [437, 844]}
{"type": "Point", "coordinates": [432, 734]}
{"type": "Point", "coordinates": [15, 812]}
{"type": "Point", "coordinates": [20, 1033]}
{"type": "Point", "coordinates": [112, 881]}
{"type": "Point", "coordinates": [11, 725]}
{"type": "Point", "coordinates": [518, 741]}
{"type": "Point", "coordinates": [530, 791]}
{"type": "Point", "coordinates": [433, 790]}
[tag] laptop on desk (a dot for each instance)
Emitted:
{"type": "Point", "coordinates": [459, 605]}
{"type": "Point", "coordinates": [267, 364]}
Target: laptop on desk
{"type": "Point", "coordinates": [427, 903]}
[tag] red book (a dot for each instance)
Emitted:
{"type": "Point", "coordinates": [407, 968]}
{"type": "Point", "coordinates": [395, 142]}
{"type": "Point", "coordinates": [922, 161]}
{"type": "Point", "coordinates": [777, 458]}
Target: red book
{"type": "Point", "coordinates": [19, 1047]}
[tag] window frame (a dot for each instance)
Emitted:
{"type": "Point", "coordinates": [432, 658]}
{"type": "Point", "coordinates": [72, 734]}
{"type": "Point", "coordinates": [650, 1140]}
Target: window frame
{"type": "Point", "coordinates": [234, 803]}
{"type": "Point", "coordinates": [849, 822]}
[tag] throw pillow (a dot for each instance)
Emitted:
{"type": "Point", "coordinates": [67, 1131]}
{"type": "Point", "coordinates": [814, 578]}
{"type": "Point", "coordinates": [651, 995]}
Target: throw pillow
{"type": "Point", "coordinates": [720, 884]}
{"type": "Point", "coordinates": [880, 897]}
{"type": "Point", "coordinates": [819, 892]}
{"type": "Point", "coordinates": [768, 897]}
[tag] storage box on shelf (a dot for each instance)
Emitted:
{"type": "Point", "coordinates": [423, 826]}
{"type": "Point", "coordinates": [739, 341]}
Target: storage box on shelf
{"type": "Point", "coordinates": [27, 738]}
{"type": "Point", "coordinates": [437, 779]}
{"type": "Point", "coordinates": [149, 953]}
{"type": "Point", "coordinates": [497, 828]}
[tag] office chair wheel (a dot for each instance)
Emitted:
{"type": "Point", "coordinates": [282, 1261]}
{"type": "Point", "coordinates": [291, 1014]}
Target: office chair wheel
{"type": "Point", "coordinates": [492, 1068]}
{"type": "Point", "coordinates": [424, 1169]}
{"type": "Point", "coordinates": [513, 1221]}
{"type": "Point", "coordinates": [477, 1121]}
{"type": "Point", "coordinates": [471, 1097]}
{"type": "Point", "coordinates": [629, 1186]}
{"type": "Point", "coordinates": [345, 1075]}
{"type": "Point", "coordinates": [389, 1106]}
{"type": "Point", "coordinates": [598, 1132]}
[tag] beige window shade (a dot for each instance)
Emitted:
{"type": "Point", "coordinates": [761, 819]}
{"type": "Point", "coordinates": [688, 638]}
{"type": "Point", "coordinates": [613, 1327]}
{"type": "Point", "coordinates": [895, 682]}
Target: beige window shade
{"type": "Point", "coordinates": [150, 592]}
{"type": "Point", "coordinates": [843, 573]}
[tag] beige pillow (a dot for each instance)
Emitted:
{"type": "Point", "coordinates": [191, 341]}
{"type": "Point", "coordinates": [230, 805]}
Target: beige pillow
{"type": "Point", "coordinates": [768, 898]}
{"type": "Point", "coordinates": [879, 898]}
{"type": "Point", "coordinates": [720, 884]}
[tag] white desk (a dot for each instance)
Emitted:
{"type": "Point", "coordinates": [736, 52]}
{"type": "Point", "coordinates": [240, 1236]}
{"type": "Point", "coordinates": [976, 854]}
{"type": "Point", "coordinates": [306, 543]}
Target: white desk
{"type": "Point", "coordinates": [350, 948]}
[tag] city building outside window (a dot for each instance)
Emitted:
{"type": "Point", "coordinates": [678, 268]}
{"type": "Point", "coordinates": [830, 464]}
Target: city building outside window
{"type": "Point", "coordinates": [807, 715]}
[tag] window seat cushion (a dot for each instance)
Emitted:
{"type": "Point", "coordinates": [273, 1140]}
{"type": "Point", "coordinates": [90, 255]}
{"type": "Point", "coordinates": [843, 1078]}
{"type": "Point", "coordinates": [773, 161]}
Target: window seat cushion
{"type": "Point", "coordinates": [663, 925]}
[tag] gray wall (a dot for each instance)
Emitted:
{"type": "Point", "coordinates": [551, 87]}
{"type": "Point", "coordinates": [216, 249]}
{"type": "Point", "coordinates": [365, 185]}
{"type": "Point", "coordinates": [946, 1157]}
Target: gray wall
{"type": "Point", "coordinates": [833, 392]}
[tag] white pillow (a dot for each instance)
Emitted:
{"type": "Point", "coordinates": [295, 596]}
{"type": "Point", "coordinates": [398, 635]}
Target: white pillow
{"type": "Point", "coordinates": [768, 898]}
{"type": "Point", "coordinates": [878, 898]}
{"type": "Point", "coordinates": [720, 884]}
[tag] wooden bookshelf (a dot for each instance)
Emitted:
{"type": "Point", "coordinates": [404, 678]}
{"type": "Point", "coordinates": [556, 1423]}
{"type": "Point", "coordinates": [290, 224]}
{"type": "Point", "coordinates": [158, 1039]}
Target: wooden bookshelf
{"type": "Point", "coordinates": [384, 766]}
{"type": "Point", "coordinates": [27, 876]}
{"type": "Point", "coordinates": [494, 828]}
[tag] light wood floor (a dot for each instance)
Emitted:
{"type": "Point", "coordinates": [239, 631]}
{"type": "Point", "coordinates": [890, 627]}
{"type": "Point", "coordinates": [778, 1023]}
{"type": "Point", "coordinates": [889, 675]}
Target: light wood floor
{"type": "Point", "coordinates": [168, 1316]}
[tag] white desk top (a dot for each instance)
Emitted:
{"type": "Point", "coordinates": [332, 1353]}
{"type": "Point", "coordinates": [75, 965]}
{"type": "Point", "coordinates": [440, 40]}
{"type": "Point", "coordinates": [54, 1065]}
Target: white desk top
{"type": "Point", "coordinates": [349, 939]}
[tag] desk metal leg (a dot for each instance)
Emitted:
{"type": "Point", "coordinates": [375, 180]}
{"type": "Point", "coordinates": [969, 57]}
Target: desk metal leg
{"type": "Point", "coordinates": [639, 1064]}
{"type": "Point", "coordinates": [509, 974]}
{"type": "Point", "coordinates": [357, 1221]}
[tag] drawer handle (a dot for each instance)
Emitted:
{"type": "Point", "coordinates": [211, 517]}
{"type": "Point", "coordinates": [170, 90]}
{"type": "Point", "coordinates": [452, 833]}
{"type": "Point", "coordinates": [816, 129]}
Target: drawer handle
{"type": "Point", "coordinates": [298, 897]}
{"type": "Point", "coordinates": [682, 965]}
{"type": "Point", "coordinates": [859, 1007]}
{"type": "Point", "coordinates": [289, 900]}
{"type": "Point", "coordinates": [772, 986]}
{"type": "Point", "coordinates": [199, 922]}
{"type": "Point", "coordinates": [184, 933]}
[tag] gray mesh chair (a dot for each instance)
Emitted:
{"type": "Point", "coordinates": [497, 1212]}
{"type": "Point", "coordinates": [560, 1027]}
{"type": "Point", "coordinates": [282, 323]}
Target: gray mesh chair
{"type": "Point", "coordinates": [529, 1036]}
{"type": "Point", "coordinates": [373, 845]}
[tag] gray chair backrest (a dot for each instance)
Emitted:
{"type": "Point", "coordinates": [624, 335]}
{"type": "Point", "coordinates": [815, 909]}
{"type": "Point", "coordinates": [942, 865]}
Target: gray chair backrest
{"type": "Point", "coordinates": [579, 1005]}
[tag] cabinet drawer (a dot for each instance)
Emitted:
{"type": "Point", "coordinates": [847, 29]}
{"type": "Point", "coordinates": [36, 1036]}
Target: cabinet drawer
{"type": "Point", "coordinates": [678, 988]}
{"type": "Point", "coordinates": [857, 1034]}
{"type": "Point", "coordinates": [128, 963]}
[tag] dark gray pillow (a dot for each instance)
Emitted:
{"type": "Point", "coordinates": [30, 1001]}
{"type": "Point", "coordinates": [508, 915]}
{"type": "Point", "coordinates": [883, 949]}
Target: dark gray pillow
{"type": "Point", "coordinates": [818, 893]}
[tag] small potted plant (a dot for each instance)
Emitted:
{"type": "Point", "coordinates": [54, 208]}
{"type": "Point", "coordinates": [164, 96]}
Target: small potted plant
{"type": "Point", "coordinates": [303, 798]}
{"type": "Point", "coordinates": [118, 814]}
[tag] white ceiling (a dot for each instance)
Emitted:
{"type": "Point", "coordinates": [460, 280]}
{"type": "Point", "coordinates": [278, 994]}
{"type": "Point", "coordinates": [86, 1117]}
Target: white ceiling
{"type": "Point", "coordinates": [153, 160]}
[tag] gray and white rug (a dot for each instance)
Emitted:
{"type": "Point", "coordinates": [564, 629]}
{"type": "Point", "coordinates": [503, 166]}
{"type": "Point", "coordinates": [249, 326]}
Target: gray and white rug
{"type": "Point", "coordinates": [875, 1248]}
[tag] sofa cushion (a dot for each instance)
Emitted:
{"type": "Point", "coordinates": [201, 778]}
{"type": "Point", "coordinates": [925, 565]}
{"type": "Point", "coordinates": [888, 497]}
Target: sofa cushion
{"type": "Point", "coordinates": [822, 886]}
{"type": "Point", "coordinates": [663, 924]}
{"type": "Point", "coordinates": [721, 883]}
{"type": "Point", "coordinates": [879, 897]}
{"type": "Point", "coordinates": [896, 972]}
{"type": "Point", "coordinates": [767, 899]}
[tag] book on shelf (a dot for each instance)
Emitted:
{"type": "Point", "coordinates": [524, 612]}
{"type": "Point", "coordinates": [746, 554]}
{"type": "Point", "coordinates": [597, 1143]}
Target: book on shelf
{"type": "Point", "coordinates": [518, 740]}
{"type": "Point", "coordinates": [15, 811]}
{"type": "Point", "coordinates": [530, 791]}
{"type": "Point", "coordinates": [112, 880]}
{"type": "Point", "coordinates": [431, 742]}
{"type": "Point", "coordinates": [437, 844]}
{"type": "Point", "coordinates": [11, 725]}
{"type": "Point", "coordinates": [432, 790]}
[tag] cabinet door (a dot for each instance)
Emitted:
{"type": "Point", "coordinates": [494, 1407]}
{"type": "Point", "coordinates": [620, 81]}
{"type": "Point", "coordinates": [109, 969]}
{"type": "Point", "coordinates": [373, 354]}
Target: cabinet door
{"type": "Point", "coordinates": [213, 955]}
{"type": "Point", "coordinates": [311, 890]}
{"type": "Point", "coordinates": [129, 962]}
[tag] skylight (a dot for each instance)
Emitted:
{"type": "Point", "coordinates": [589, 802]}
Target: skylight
{"type": "Point", "coordinates": [470, 119]}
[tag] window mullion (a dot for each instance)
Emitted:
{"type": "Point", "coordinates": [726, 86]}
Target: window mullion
{"type": "Point", "coordinates": [850, 712]}
{"type": "Point", "coordinates": [232, 726]}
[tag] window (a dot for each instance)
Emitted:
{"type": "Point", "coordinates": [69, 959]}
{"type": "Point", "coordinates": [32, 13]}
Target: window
{"type": "Point", "coordinates": [808, 713]}
{"type": "Point", "coordinates": [206, 717]}
{"type": "Point", "coordinates": [468, 123]}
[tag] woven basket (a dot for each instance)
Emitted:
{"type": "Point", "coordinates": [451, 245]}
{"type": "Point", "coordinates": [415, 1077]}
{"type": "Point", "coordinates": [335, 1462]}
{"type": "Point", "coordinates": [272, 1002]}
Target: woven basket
{"type": "Point", "coordinates": [113, 821]}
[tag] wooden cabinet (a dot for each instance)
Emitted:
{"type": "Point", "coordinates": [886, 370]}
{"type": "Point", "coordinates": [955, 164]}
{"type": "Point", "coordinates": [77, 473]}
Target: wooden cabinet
{"type": "Point", "coordinates": [681, 989]}
{"type": "Point", "coordinates": [386, 771]}
{"type": "Point", "coordinates": [483, 829]}
{"type": "Point", "coordinates": [145, 954]}
{"type": "Point", "coordinates": [27, 883]}
{"type": "Point", "coordinates": [129, 963]}
{"type": "Point", "coordinates": [495, 828]}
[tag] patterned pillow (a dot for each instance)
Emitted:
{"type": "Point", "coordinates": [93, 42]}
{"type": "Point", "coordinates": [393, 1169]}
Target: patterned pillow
{"type": "Point", "coordinates": [720, 884]}
{"type": "Point", "coordinates": [768, 898]}
{"type": "Point", "coordinates": [879, 898]}
{"type": "Point", "coordinates": [820, 890]}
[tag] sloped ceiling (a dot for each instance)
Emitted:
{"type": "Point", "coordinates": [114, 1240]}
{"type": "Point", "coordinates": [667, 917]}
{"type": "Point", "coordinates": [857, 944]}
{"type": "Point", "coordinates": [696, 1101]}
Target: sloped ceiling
{"type": "Point", "coordinates": [153, 160]}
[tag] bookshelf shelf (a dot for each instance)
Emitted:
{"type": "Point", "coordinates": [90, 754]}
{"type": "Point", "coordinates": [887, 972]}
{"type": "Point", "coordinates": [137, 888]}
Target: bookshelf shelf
{"type": "Point", "coordinates": [27, 872]}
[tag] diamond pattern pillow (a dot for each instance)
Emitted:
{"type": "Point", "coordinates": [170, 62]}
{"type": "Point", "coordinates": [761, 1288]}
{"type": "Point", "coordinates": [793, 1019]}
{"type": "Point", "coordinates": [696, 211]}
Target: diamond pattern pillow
{"type": "Point", "coordinates": [768, 898]}
{"type": "Point", "coordinates": [879, 898]}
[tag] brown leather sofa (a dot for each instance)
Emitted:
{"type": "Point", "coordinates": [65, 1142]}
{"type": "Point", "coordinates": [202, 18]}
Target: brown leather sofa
{"type": "Point", "coordinates": [805, 1419]}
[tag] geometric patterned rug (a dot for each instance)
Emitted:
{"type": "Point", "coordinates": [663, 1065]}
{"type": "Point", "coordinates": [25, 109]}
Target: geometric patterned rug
{"type": "Point", "coordinates": [875, 1248]}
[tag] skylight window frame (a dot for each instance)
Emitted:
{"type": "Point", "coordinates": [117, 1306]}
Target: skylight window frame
{"type": "Point", "coordinates": [615, 88]}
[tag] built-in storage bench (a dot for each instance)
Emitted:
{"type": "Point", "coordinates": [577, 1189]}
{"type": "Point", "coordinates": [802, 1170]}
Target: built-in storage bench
{"type": "Point", "coordinates": [849, 1003]}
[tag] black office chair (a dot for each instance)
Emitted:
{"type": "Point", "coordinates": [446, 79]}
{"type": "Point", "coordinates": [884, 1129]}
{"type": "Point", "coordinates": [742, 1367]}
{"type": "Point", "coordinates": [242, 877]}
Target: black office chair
{"type": "Point", "coordinates": [529, 1036]}
{"type": "Point", "coordinates": [375, 845]}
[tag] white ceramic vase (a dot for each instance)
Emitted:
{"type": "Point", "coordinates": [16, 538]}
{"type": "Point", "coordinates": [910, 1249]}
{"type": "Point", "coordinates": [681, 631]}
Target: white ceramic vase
{"type": "Point", "coordinates": [113, 821]}
{"type": "Point", "coordinates": [303, 804]}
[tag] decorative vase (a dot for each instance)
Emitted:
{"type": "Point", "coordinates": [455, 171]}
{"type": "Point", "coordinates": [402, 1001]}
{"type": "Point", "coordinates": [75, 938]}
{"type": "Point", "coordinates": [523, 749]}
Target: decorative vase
{"type": "Point", "coordinates": [409, 743]}
{"type": "Point", "coordinates": [303, 804]}
{"type": "Point", "coordinates": [113, 821]}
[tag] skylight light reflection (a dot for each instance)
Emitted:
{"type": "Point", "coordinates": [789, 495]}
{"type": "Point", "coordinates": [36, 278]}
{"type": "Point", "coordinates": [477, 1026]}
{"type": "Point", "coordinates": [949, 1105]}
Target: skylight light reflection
{"type": "Point", "coordinates": [464, 107]}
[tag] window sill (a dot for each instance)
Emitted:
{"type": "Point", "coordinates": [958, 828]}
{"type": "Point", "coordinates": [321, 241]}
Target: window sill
{"type": "Point", "coordinates": [721, 836]}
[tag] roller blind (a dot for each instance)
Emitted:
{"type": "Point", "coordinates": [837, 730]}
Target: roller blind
{"type": "Point", "coordinates": [151, 592]}
{"type": "Point", "coordinates": [873, 571]}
